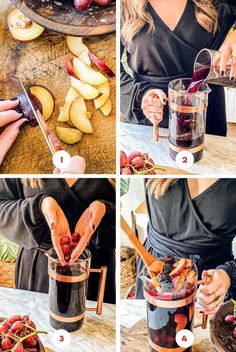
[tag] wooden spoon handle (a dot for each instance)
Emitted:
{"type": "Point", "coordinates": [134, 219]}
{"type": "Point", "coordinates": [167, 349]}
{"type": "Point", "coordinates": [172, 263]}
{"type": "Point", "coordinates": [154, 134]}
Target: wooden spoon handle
{"type": "Point", "coordinates": [144, 254]}
{"type": "Point", "coordinates": [155, 132]}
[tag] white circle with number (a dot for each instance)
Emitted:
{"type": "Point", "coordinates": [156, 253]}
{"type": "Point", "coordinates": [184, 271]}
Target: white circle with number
{"type": "Point", "coordinates": [61, 338]}
{"type": "Point", "coordinates": [61, 159]}
{"type": "Point", "coordinates": [184, 160]}
{"type": "Point", "coordinates": [184, 338]}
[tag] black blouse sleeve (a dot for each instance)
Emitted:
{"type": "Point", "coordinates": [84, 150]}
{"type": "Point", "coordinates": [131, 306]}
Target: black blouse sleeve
{"type": "Point", "coordinates": [230, 269]}
{"type": "Point", "coordinates": [232, 5]}
{"type": "Point", "coordinates": [105, 235]}
{"type": "Point", "coordinates": [132, 92]}
{"type": "Point", "coordinates": [21, 220]}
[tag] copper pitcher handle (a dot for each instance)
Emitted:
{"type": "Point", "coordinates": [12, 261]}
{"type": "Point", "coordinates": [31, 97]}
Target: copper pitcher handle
{"type": "Point", "coordinates": [101, 289]}
{"type": "Point", "coordinates": [203, 324]}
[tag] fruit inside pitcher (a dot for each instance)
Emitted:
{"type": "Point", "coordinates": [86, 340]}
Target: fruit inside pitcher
{"type": "Point", "coordinates": [176, 282]}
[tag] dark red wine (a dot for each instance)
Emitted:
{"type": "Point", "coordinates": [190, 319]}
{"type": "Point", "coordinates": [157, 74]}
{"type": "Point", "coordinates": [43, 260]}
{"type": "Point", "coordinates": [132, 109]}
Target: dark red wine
{"type": "Point", "coordinates": [67, 300]}
{"type": "Point", "coordinates": [198, 78]}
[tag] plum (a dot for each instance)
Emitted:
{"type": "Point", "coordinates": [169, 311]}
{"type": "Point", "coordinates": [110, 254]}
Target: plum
{"type": "Point", "coordinates": [82, 5]}
{"type": "Point", "coordinates": [26, 108]}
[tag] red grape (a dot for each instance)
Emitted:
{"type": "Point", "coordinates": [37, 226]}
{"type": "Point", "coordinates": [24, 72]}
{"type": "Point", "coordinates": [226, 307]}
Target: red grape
{"type": "Point", "coordinates": [30, 342]}
{"type": "Point", "coordinates": [229, 319]}
{"type": "Point", "coordinates": [75, 237]}
{"type": "Point", "coordinates": [17, 327]}
{"type": "Point", "coordinates": [123, 159]}
{"type": "Point", "coordinates": [82, 4]}
{"type": "Point", "coordinates": [32, 324]}
{"type": "Point", "coordinates": [133, 155]}
{"type": "Point", "coordinates": [137, 162]}
{"type": "Point", "coordinates": [73, 245]}
{"type": "Point", "coordinates": [126, 171]}
{"type": "Point", "coordinates": [3, 328]}
{"type": "Point", "coordinates": [14, 318]}
{"type": "Point", "coordinates": [65, 240]}
{"type": "Point", "coordinates": [18, 347]}
{"type": "Point", "coordinates": [25, 318]}
{"type": "Point", "coordinates": [66, 249]}
{"type": "Point", "coordinates": [6, 343]}
{"type": "Point", "coordinates": [101, 2]}
{"type": "Point", "coordinates": [234, 332]}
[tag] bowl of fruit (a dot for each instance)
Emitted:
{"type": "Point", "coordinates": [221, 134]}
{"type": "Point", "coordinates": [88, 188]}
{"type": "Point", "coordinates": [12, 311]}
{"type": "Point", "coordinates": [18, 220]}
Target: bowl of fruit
{"type": "Point", "coordinates": [85, 18]}
{"type": "Point", "coordinates": [19, 334]}
{"type": "Point", "coordinates": [223, 328]}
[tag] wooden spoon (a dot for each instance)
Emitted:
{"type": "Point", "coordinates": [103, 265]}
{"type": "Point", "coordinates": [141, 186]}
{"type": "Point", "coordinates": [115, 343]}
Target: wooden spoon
{"type": "Point", "coordinates": [152, 264]}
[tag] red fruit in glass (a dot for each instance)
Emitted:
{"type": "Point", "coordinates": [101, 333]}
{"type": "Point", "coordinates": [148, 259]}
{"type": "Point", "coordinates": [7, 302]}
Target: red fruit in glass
{"type": "Point", "coordinates": [75, 237]}
{"type": "Point", "coordinates": [66, 249]}
{"type": "Point", "coordinates": [73, 245]}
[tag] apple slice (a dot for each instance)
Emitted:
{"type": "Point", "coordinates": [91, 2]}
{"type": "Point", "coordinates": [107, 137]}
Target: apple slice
{"type": "Point", "coordinates": [107, 107]}
{"type": "Point", "coordinates": [179, 280]}
{"type": "Point", "coordinates": [181, 321]}
{"type": "Point", "coordinates": [78, 116]}
{"type": "Point", "coordinates": [69, 135]}
{"type": "Point", "coordinates": [86, 90]}
{"type": "Point", "coordinates": [76, 45]}
{"type": "Point", "coordinates": [21, 27]}
{"type": "Point", "coordinates": [101, 65]}
{"type": "Point", "coordinates": [87, 74]}
{"type": "Point", "coordinates": [156, 266]}
{"type": "Point", "coordinates": [181, 266]}
{"type": "Point", "coordinates": [85, 57]}
{"type": "Point", "coordinates": [64, 111]}
{"type": "Point", "coordinates": [104, 90]}
{"type": "Point", "coordinates": [46, 99]}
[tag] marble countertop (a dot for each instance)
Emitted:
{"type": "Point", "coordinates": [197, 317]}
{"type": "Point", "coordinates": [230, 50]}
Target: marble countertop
{"type": "Point", "coordinates": [97, 333]}
{"type": "Point", "coordinates": [132, 311]}
{"type": "Point", "coordinates": [219, 152]}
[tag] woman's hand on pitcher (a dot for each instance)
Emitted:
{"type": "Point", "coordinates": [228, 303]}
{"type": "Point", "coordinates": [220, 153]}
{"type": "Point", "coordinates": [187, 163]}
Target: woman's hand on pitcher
{"type": "Point", "coordinates": [228, 49]}
{"type": "Point", "coordinates": [57, 223]}
{"type": "Point", "coordinates": [152, 105]}
{"type": "Point", "coordinates": [212, 295]}
{"type": "Point", "coordinates": [87, 225]}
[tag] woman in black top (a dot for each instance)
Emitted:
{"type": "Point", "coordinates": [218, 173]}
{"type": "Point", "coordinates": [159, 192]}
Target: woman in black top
{"type": "Point", "coordinates": [35, 211]}
{"type": "Point", "coordinates": [195, 218]}
{"type": "Point", "coordinates": [162, 39]}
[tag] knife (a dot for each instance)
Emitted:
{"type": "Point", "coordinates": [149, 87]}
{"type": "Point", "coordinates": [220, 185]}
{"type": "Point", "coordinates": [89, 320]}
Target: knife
{"type": "Point", "coordinates": [42, 124]}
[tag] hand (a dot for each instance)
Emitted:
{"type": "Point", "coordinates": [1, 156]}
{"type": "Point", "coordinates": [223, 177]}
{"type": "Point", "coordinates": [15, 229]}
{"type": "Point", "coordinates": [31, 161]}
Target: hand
{"type": "Point", "coordinates": [152, 105]}
{"type": "Point", "coordinates": [57, 223]}
{"type": "Point", "coordinates": [9, 135]}
{"type": "Point", "coordinates": [77, 166]}
{"type": "Point", "coordinates": [227, 49]}
{"type": "Point", "coordinates": [212, 295]}
{"type": "Point", "coordinates": [87, 225]}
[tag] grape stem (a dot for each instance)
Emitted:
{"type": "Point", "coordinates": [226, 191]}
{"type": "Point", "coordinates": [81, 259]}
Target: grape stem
{"type": "Point", "coordinates": [144, 172]}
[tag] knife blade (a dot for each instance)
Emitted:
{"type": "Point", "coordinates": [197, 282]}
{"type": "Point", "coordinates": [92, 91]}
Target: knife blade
{"type": "Point", "coordinates": [39, 118]}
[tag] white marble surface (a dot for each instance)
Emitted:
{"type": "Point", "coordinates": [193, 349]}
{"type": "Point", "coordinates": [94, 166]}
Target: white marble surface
{"type": "Point", "coordinates": [97, 333]}
{"type": "Point", "coordinates": [219, 152]}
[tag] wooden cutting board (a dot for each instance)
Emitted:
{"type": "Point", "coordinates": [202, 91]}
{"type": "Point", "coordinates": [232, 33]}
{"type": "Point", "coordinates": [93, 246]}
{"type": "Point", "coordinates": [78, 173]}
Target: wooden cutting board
{"type": "Point", "coordinates": [61, 16]}
{"type": "Point", "coordinates": [42, 61]}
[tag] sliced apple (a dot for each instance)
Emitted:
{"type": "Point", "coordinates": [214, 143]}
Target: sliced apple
{"type": "Point", "coordinates": [21, 27]}
{"type": "Point", "coordinates": [84, 56]}
{"type": "Point", "coordinates": [46, 99]}
{"type": "Point", "coordinates": [101, 65]}
{"type": "Point", "coordinates": [107, 107]}
{"type": "Point", "coordinates": [180, 267]}
{"type": "Point", "coordinates": [76, 45]}
{"type": "Point", "coordinates": [104, 91]}
{"type": "Point", "coordinates": [87, 74]}
{"type": "Point", "coordinates": [64, 111]}
{"type": "Point", "coordinates": [86, 90]}
{"type": "Point", "coordinates": [69, 135]}
{"type": "Point", "coordinates": [78, 116]}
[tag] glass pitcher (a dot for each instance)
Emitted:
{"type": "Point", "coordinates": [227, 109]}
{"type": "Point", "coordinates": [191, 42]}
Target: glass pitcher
{"type": "Point", "coordinates": [187, 117]}
{"type": "Point", "coordinates": [207, 68]}
{"type": "Point", "coordinates": [68, 290]}
{"type": "Point", "coordinates": [169, 310]}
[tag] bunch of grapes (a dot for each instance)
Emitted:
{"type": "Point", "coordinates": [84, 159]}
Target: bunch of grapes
{"type": "Point", "coordinates": [19, 334]}
{"type": "Point", "coordinates": [137, 164]}
{"type": "Point", "coordinates": [69, 244]}
{"type": "Point", "coordinates": [82, 5]}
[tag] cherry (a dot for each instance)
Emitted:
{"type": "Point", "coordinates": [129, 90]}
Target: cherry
{"type": "Point", "coordinates": [17, 327]}
{"type": "Point", "coordinates": [66, 249]}
{"type": "Point", "coordinates": [18, 347]}
{"type": "Point", "coordinates": [75, 237]}
{"type": "Point", "coordinates": [6, 343]}
{"type": "Point", "coordinates": [65, 240]}
{"type": "Point", "coordinates": [229, 319]}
